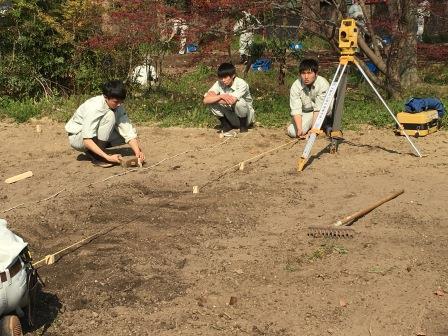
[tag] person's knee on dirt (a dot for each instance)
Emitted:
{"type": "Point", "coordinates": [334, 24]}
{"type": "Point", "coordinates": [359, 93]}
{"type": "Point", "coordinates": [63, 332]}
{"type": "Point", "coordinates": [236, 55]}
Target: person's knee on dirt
{"type": "Point", "coordinates": [15, 281]}
{"type": "Point", "coordinates": [102, 121]}
{"type": "Point", "coordinates": [230, 100]}
{"type": "Point", "coordinates": [306, 98]}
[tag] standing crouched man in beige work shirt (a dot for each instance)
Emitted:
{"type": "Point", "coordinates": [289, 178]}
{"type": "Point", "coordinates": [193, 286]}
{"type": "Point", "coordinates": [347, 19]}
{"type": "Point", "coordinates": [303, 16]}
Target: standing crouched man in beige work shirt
{"type": "Point", "coordinates": [230, 100]}
{"type": "Point", "coordinates": [306, 97]}
{"type": "Point", "coordinates": [101, 122]}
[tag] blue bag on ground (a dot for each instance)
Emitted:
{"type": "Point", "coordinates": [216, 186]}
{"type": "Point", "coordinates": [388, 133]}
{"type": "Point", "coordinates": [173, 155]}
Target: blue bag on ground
{"type": "Point", "coordinates": [415, 105]}
{"type": "Point", "coordinates": [262, 64]}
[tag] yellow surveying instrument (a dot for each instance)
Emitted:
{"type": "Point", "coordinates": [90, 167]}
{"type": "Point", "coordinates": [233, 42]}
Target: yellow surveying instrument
{"type": "Point", "coordinates": [348, 44]}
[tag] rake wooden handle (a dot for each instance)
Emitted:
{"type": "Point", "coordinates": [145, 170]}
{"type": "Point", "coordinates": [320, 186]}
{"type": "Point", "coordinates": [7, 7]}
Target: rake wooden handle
{"type": "Point", "coordinates": [365, 211]}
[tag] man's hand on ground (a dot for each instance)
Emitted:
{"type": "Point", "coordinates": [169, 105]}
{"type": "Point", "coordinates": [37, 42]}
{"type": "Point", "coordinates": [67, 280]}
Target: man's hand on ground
{"type": "Point", "coordinates": [141, 157]}
{"type": "Point", "coordinates": [300, 134]}
{"type": "Point", "coordinates": [115, 158]}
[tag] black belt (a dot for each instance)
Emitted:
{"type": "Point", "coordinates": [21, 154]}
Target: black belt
{"type": "Point", "coordinates": [13, 270]}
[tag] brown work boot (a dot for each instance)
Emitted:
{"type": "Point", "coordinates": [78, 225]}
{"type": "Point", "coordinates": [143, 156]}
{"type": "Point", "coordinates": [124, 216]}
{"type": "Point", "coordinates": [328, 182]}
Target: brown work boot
{"type": "Point", "coordinates": [10, 326]}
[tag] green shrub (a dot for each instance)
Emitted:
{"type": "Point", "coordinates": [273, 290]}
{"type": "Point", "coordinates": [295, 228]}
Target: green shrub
{"type": "Point", "coordinates": [20, 111]}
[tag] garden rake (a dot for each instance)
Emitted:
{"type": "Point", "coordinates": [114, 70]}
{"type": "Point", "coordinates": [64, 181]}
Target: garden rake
{"type": "Point", "coordinates": [339, 229]}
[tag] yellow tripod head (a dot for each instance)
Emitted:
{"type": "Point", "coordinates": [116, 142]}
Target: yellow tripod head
{"type": "Point", "coordinates": [348, 37]}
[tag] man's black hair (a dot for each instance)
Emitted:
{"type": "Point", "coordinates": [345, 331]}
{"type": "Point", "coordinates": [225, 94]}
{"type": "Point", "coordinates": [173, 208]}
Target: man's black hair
{"type": "Point", "coordinates": [114, 89]}
{"type": "Point", "coordinates": [308, 64]}
{"type": "Point", "coordinates": [226, 69]}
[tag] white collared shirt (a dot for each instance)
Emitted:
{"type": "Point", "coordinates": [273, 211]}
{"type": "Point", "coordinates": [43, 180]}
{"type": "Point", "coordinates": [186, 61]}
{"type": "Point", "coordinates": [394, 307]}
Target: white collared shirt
{"type": "Point", "coordinates": [304, 99]}
{"type": "Point", "coordinates": [239, 89]}
{"type": "Point", "coordinates": [88, 116]}
{"type": "Point", "coordinates": [10, 246]}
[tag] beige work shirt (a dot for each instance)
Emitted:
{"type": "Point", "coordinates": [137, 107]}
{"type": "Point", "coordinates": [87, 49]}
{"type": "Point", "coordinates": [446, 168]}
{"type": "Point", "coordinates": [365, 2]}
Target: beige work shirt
{"type": "Point", "coordinates": [88, 116]}
{"type": "Point", "coordinates": [239, 90]}
{"type": "Point", "coordinates": [304, 99]}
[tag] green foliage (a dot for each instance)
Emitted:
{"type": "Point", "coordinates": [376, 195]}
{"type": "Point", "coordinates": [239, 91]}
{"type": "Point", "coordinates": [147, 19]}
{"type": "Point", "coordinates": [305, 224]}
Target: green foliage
{"type": "Point", "coordinates": [59, 47]}
{"type": "Point", "coordinates": [293, 263]}
{"type": "Point", "coordinates": [58, 109]}
{"type": "Point", "coordinates": [257, 47]}
{"type": "Point", "coordinates": [435, 38]}
{"type": "Point", "coordinates": [178, 101]}
{"type": "Point", "coordinates": [34, 50]}
{"type": "Point", "coordinates": [436, 74]}
{"type": "Point", "coordinates": [179, 4]}
{"type": "Point", "coordinates": [271, 102]}
{"type": "Point", "coordinates": [313, 42]}
{"type": "Point", "coordinates": [18, 111]}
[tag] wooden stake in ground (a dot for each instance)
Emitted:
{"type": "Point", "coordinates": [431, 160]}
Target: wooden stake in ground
{"type": "Point", "coordinates": [19, 177]}
{"type": "Point", "coordinates": [130, 162]}
{"type": "Point", "coordinates": [50, 259]}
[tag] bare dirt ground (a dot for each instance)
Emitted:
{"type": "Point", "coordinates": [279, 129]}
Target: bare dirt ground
{"type": "Point", "coordinates": [176, 258]}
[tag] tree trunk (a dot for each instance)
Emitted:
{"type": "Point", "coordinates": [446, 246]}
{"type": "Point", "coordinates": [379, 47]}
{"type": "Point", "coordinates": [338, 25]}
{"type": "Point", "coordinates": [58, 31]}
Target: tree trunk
{"type": "Point", "coordinates": [402, 58]}
{"type": "Point", "coordinates": [282, 69]}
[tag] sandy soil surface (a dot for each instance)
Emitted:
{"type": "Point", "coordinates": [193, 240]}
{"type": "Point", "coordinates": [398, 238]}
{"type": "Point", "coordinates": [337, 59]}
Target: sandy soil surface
{"type": "Point", "coordinates": [234, 259]}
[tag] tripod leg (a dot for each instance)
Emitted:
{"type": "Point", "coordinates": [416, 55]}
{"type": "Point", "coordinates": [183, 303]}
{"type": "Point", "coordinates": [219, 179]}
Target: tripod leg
{"type": "Point", "coordinates": [387, 108]}
{"type": "Point", "coordinates": [336, 133]}
{"type": "Point", "coordinates": [321, 116]}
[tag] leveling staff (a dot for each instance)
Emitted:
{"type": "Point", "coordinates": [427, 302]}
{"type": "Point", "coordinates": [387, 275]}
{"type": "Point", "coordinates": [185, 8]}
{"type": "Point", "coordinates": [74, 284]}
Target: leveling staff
{"type": "Point", "coordinates": [306, 98]}
{"type": "Point", "coordinates": [101, 122]}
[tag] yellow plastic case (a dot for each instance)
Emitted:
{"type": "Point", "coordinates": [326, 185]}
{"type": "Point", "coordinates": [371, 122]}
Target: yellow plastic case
{"type": "Point", "coordinates": [418, 124]}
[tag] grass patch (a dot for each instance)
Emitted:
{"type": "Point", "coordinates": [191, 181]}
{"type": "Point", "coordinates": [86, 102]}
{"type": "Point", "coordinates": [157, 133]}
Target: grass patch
{"type": "Point", "coordinates": [20, 111]}
{"type": "Point", "coordinates": [326, 250]}
{"type": "Point", "coordinates": [178, 102]}
{"type": "Point", "coordinates": [293, 263]}
{"type": "Point", "coordinates": [313, 42]}
{"type": "Point", "coordinates": [382, 271]}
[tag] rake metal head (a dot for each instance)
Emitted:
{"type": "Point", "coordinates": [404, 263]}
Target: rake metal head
{"type": "Point", "coordinates": [330, 232]}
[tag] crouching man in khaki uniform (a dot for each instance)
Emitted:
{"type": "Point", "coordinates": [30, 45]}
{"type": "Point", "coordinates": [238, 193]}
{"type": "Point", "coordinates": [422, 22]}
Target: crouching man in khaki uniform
{"type": "Point", "coordinates": [306, 98]}
{"type": "Point", "coordinates": [102, 122]}
{"type": "Point", "coordinates": [230, 101]}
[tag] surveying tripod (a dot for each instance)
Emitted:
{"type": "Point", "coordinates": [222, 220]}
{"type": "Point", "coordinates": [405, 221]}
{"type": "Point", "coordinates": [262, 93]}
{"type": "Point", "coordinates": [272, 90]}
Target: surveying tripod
{"type": "Point", "coordinates": [348, 44]}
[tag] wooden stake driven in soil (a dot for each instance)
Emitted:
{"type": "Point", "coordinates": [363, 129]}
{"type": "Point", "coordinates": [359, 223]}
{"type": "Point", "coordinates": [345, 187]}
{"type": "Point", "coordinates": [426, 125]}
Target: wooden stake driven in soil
{"type": "Point", "coordinates": [130, 162]}
{"type": "Point", "coordinates": [50, 259]}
